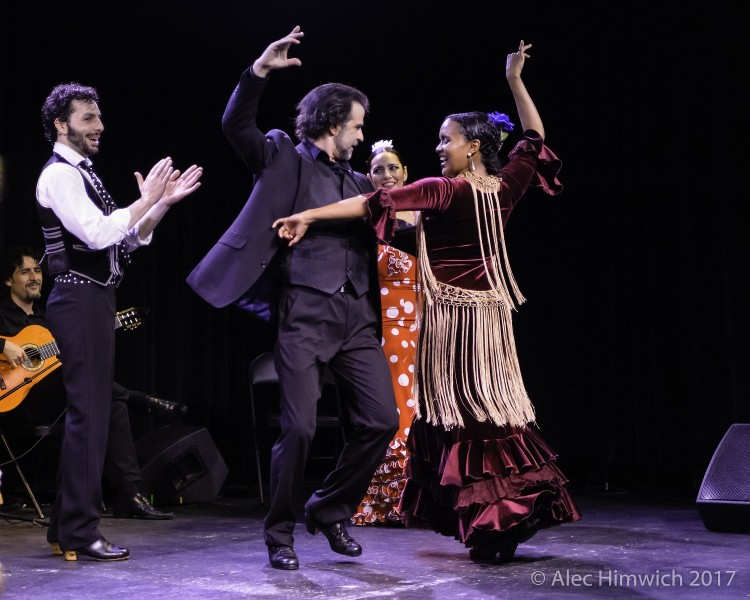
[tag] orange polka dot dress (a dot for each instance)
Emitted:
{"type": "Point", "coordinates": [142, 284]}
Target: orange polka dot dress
{"type": "Point", "coordinates": [397, 274]}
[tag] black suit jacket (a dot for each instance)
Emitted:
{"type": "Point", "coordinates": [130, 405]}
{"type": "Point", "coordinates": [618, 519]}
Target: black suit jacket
{"type": "Point", "coordinates": [240, 268]}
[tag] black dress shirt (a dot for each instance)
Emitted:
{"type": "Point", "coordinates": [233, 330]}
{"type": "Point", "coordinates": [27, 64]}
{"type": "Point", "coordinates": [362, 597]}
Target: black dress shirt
{"type": "Point", "coordinates": [13, 319]}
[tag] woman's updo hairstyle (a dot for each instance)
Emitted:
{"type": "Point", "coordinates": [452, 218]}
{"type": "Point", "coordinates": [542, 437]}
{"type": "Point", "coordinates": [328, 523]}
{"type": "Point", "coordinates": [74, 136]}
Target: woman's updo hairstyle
{"type": "Point", "coordinates": [490, 129]}
{"type": "Point", "coordinates": [383, 146]}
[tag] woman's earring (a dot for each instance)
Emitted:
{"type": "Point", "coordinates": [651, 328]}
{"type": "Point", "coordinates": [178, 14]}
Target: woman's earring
{"type": "Point", "coordinates": [471, 162]}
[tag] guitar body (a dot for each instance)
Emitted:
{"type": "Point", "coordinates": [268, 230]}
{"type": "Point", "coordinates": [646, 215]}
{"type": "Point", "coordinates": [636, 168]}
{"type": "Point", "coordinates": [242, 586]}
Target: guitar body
{"type": "Point", "coordinates": [15, 383]}
{"type": "Point", "coordinates": [42, 353]}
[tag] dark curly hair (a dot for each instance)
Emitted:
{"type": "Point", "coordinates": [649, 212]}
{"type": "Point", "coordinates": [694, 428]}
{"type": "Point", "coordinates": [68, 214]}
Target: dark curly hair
{"type": "Point", "coordinates": [324, 107]}
{"type": "Point", "coordinates": [12, 259]}
{"type": "Point", "coordinates": [59, 105]}
{"type": "Point", "coordinates": [478, 126]}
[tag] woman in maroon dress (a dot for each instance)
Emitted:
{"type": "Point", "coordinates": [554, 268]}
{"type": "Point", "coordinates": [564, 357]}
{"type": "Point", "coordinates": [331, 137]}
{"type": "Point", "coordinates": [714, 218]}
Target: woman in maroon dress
{"type": "Point", "coordinates": [478, 470]}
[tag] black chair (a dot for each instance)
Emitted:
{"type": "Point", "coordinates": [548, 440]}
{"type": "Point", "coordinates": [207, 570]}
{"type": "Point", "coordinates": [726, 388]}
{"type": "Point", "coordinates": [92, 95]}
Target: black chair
{"type": "Point", "coordinates": [263, 372]}
{"type": "Point", "coordinates": [15, 461]}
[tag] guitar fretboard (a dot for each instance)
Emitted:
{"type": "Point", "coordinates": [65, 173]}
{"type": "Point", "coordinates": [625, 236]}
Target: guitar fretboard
{"type": "Point", "coordinates": [44, 351]}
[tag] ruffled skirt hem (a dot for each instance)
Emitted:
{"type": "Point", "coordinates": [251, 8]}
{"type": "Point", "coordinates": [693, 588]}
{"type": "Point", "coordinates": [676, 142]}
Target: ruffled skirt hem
{"type": "Point", "coordinates": [483, 490]}
{"type": "Point", "coordinates": [380, 504]}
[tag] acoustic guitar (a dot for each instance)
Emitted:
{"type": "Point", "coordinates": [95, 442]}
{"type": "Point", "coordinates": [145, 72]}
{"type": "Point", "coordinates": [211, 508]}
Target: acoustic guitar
{"type": "Point", "coordinates": [42, 357]}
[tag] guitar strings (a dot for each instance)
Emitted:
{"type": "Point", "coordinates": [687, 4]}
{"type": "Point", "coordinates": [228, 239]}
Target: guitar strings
{"type": "Point", "coordinates": [42, 352]}
{"type": "Point", "coordinates": [34, 352]}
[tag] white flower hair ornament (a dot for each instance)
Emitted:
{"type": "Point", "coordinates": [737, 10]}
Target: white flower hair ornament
{"type": "Point", "coordinates": [382, 144]}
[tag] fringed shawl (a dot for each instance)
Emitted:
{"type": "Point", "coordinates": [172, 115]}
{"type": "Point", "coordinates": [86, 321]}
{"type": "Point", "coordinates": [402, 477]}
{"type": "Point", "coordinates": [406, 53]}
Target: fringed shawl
{"type": "Point", "coordinates": [467, 352]}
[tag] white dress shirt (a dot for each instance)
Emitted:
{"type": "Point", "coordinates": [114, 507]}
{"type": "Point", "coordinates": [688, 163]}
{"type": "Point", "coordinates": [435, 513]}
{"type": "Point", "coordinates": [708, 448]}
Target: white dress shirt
{"type": "Point", "coordinates": [61, 188]}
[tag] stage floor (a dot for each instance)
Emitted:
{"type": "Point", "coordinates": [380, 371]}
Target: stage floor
{"type": "Point", "coordinates": [625, 547]}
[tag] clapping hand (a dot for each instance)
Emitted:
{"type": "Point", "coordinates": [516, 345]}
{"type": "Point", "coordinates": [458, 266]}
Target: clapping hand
{"type": "Point", "coordinates": [153, 186]}
{"type": "Point", "coordinates": [181, 185]}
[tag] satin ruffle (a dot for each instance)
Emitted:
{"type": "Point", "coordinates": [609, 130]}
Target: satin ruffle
{"type": "Point", "coordinates": [483, 490]}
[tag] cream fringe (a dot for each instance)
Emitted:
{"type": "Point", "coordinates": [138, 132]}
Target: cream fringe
{"type": "Point", "coordinates": [467, 351]}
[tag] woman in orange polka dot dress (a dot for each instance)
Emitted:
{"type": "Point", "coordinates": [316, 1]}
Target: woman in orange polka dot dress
{"type": "Point", "coordinates": [397, 274]}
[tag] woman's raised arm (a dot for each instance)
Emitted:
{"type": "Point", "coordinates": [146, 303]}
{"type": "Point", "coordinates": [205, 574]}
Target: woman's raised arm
{"type": "Point", "coordinates": [527, 111]}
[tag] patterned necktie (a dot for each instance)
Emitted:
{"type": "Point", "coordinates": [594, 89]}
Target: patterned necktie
{"type": "Point", "coordinates": [118, 254]}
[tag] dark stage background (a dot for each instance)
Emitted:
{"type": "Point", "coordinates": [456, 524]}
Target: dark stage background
{"type": "Point", "coordinates": [634, 341]}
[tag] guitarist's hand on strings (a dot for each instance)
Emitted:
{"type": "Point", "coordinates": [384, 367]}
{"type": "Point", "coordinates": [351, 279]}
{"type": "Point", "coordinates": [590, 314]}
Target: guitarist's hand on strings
{"type": "Point", "coordinates": [14, 353]}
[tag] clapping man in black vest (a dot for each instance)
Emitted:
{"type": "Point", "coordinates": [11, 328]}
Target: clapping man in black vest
{"type": "Point", "coordinates": [326, 313]}
{"type": "Point", "coordinates": [87, 241]}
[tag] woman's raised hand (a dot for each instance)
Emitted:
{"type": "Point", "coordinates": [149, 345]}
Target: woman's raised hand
{"type": "Point", "coordinates": [515, 61]}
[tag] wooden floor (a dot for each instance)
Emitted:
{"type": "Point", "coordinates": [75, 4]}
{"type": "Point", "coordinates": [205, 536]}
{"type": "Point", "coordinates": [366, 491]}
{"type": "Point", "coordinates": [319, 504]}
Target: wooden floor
{"type": "Point", "coordinates": [625, 547]}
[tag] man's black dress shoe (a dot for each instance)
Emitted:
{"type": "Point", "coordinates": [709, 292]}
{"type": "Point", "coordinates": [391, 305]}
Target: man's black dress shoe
{"type": "Point", "coordinates": [100, 550]}
{"type": "Point", "coordinates": [140, 508]}
{"type": "Point", "coordinates": [338, 537]}
{"type": "Point", "coordinates": [283, 557]}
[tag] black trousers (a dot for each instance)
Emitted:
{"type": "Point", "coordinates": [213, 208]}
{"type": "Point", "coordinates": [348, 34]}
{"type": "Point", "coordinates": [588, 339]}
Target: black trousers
{"type": "Point", "coordinates": [340, 330]}
{"type": "Point", "coordinates": [81, 318]}
{"type": "Point", "coordinates": [120, 460]}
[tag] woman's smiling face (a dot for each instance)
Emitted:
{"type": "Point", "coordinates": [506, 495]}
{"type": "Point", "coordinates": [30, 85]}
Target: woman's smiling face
{"type": "Point", "coordinates": [386, 171]}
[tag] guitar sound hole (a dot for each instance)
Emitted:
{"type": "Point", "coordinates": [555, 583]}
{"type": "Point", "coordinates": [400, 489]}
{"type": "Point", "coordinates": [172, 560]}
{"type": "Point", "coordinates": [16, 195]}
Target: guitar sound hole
{"type": "Point", "coordinates": [34, 360]}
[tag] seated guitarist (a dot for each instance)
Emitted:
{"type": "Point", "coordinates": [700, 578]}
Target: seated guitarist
{"type": "Point", "coordinates": [22, 275]}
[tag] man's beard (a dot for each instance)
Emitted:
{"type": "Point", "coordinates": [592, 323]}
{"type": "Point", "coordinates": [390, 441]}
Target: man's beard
{"type": "Point", "coordinates": [344, 153]}
{"type": "Point", "coordinates": [79, 140]}
{"type": "Point", "coordinates": [33, 296]}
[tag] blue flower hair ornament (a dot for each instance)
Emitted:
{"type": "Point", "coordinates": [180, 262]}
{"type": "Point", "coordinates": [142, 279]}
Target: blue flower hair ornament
{"type": "Point", "coordinates": [502, 122]}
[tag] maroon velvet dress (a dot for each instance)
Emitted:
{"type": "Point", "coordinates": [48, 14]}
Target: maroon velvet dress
{"type": "Point", "coordinates": [481, 483]}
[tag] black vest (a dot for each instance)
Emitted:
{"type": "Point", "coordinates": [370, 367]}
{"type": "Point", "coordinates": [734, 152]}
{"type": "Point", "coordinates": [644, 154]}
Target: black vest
{"type": "Point", "coordinates": [327, 260]}
{"type": "Point", "coordinates": [66, 253]}
{"type": "Point", "coordinates": [333, 253]}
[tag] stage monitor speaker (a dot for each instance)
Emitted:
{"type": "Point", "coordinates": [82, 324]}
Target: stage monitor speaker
{"type": "Point", "coordinates": [724, 496]}
{"type": "Point", "coordinates": [180, 464]}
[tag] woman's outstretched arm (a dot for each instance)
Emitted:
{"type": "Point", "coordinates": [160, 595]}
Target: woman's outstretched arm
{"type": "Point", "coordinates": [294, 227]}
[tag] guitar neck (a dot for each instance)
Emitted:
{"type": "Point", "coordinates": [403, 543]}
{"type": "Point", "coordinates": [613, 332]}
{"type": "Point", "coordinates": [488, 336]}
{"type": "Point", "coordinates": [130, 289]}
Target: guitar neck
{"type": "Point", "coordinates": [47, 350]}
{"type": "Point", "coordinates": [130, 318]}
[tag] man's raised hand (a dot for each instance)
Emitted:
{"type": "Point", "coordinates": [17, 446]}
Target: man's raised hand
{"type": "Point", "coordinates": [275, 56]}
